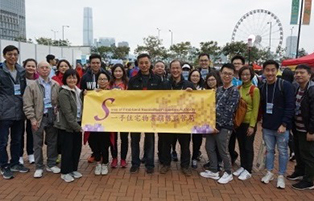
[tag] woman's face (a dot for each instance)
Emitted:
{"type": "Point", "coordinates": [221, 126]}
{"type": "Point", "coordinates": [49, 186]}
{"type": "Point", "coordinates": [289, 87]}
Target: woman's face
{"type": "Point", "coordinates": [30, 67]}
{"type": "Point", "coordinates": [246, 76]}
{"type": "Point", "coordinates": [63, 67]}
{"type": "Point", "coordinates": [118, 73]}
{"type": "Point", "coordinates": [195, 77]}
{"type": "Point", "coordinates": [211, 82]}
{"type": "Point", "coordinates": [102, 81]}
{"type": "Point", "coordinates": [71, 81]}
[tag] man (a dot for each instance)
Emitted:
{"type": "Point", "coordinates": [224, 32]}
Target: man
{"type": "Point", "coordinates": [40, 102]}
{"type": "Point", "coordinates": [303, 130]}
{"type": "Point", "coordinates": [227, 98]}
{"type": "Point", "coordinates": [143, 80]}
{"type": "Point", "coordinates": [277, 103]}
{"type": "Point", "coordinates": [12, 86]}
{"type": "Point", "coordinates": [51, 59]}
{"type": "Point", "coordinates": [177, 82]}
{"type": "Point", "coordinates": [204, 62]}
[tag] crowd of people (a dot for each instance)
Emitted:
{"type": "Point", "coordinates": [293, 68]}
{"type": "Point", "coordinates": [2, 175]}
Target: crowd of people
{"type": "Point", "coordinates": [44, 102]}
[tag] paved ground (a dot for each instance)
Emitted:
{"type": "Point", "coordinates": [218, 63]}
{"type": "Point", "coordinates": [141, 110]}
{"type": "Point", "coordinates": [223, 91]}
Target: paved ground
{"type": "Point", "coordinates": [119, 184]}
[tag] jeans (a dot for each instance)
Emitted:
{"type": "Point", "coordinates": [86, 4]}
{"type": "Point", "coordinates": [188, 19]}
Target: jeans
{"type": "Point", "coordinates": [273, 138]}
{"type": "Point", "coordinates": [149, 144]}
{"type": "Point", "coordinates": [17, 128]}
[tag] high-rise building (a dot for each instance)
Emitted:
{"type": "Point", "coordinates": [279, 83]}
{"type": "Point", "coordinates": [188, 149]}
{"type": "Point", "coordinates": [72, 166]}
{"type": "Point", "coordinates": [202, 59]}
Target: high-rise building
{"type": "Point", "coordinates": [12, 19]}
{"type": "Point", "coordinates": [106, 41]}
{"type": "Point", "coordinates": [123, 44]}
{"type": "Point", "coordinates": [291, 43]}
{"type": "Point", "coordinates": [88, 27]}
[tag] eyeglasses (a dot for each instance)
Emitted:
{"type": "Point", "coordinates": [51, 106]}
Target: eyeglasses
{"type": "Point", "coordinates": [227, 74]}
{"type": "Point", "coordinates": [12, 54]}
{"type": "Point", "coordinates": [211, 80]}
{"type": "Point", "coordinates": [237, 63]}
{"type": "Point", "coordinates": [245, 75]}
{"type": "Point", "coordinates": [102, 79]}
{"type": "Point", "coordinates": [205, 60]}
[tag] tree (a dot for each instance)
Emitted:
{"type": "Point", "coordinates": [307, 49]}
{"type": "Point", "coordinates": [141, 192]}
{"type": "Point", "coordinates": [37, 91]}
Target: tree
{"type": "Point", "coordinates": [49, 41]}
{"type": "Point", "coordinates": [302, 52]}
{"type": "Point", "coordinates": [210, 48]}
{"type": "Point", "coordinates": [104, 51]}
{"type": "Point", "coordinates": [120, 52]}
{"type": "Point", "coordinates": [152, 46]}
{"type": "Point", "coordinates": [181, 50]}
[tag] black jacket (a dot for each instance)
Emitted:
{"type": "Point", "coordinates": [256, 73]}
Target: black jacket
{"type": "Point", "coordinates": [182, 85]}
{"type": "Point", "coordinates": [154, 82]}
{"type": "Point", "coordinates": [87, 79]}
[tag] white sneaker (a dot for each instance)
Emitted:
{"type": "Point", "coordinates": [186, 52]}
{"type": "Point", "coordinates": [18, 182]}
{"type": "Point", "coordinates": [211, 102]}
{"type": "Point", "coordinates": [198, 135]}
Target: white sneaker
{"type": "Point", "coordinates": [98, 169]}
{"type": "Point", "coordinates": [76, 174]}
{"type": "Point", "coordinates": [21, 160]}
{"type": "Point", "coordinates": [226, 178]}
{"type": "Point", "coordinates": [281, 182]}
{"type": "Point", "coordinates": [104, 169]}
{"type": "Point", "coordinates": [53, 169]}
{"type": "Point", "coordinates": [210, 175]}
{"type": "Point", "coordinates": [31, 159]}
{"type": "Point", "coordinates": [67, 177]}
{"type": "Point", "coordinates": [38, 173]}
{"type": "Point", "coordinates": [268, 177]}
{"type": "Point", "coordinates": [238, 172]}
{"type": "Point", "coordinates": [245, 175]}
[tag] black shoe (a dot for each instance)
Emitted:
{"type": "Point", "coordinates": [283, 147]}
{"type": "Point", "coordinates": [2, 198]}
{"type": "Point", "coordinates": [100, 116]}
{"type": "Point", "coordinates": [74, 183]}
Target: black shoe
{"type": "Point", "coordinates": [303, 185]}
{"type": "Point", "coordinates": [150, 170]}
{"type": "Point", "coordinates": [7, 173]}
{"type": "Point", "coordinates": [295, 177]}
{"type": "Point", "coordinates": [134, 169]}
{"type": "Point", "coordinates": [164, 169]}
{"type": "Point", "coordinates": [206, 166]}
{"type": "Point", "coordinates": [19, 168]}
{"type": "Point", "coordinates": [186, 171]}
{"type": "Point", "coordinates": [292, 157]}
{"type": "Point", "coordinates": [174, 156]}
{"type": "Point", "coordinates": [143, 160]}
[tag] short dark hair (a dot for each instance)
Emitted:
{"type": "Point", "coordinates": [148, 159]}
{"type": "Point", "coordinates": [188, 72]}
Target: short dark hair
{"type": "Point", "coordinates": [227, 65]}
{"type": "Point", "coordinates": [28, 60]}
{"type": "Point", "coordinates": [270, 62]}
{"type": "Point", "coordinates": [107, 75]}
{"type": "Point", "coordinates": [203, 54]}
{"type": "Point", "coordinates": [142, 56]}
{"type": "Point", "coordinates": [305, 67]}
{"type": "Point", "coordinates": [238, 57]}
{"type": "Point", "coordinates": [216, 76]}
{"type": "Point", "coordinates": [68, 73]}
{"type": "Point", "coordinates": [94, 56]}
{"type": "Point", "coordinates": [10, 48]}
{"type": "Point", "coordinates": [287, 75]}
{"type": "Point", "coordinates": [50, 57]}
{"type": "Point", "coordinates": [201, 82]}
{"type": "Point", "coordinates": [175, 60]}
{"type": "Point", "coordinates": [247, 68]}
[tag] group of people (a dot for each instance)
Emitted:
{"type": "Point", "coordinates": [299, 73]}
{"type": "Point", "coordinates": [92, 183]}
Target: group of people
{"type": "Point", "coordinates": [51, 105]}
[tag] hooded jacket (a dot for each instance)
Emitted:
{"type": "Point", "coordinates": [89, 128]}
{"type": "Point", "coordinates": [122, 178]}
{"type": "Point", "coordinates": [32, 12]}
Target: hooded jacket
{"type": "Point", "coordinates": [87, 81]}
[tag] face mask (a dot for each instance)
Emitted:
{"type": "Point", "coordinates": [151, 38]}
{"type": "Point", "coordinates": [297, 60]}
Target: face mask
{"type": "Point", "coordinates": [185, 74]}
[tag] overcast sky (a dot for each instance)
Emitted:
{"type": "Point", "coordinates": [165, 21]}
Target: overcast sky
{"type": "Point", "coordinates": [132, 20]}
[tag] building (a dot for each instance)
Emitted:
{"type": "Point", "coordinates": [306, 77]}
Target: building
{"type": "Point", "coordinates": [123, 44]}
{"type": "Point", "coordinates": [291, 46]}
{"type": "Point", "coordinates": [106, 41]}
{"type": "Point", "coordinates": [88, 27]}
{"type": "Point", "coordinates": [12, 19]}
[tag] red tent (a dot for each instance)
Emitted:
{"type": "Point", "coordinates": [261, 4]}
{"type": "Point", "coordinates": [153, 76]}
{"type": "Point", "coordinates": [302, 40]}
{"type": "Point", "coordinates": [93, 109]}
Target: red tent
{"type": "Point", "coordinates": [308, 59]}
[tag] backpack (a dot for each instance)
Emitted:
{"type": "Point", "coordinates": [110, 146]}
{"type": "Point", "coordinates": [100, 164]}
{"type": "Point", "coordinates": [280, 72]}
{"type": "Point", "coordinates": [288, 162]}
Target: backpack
{"type": "Point", "coordinates": [242, 108]}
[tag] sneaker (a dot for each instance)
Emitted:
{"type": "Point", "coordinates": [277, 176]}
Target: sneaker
{"type": "Point", "coordinates": [210, 175]}
{"type": "Point", "coordinates": [134, 169]}
{"type": "Point", "coordinates": [98, 169]}
{"type": "Point", "coordinates": [268, 177]}
{"type": "Point", "coordinates": [245, 175]}
{"type": "Point", "coordinates": [19, 168]}
{"type": "Point", "coordinates": [206, 166]}
{"type": "Point", "coordinates": [91, 159]}
{"type": "Point", "coordinates": [31, 159]}
{"type": "Point", "coordinates": [21, 160]}
{"type": "Point", "coordinates": [186, 171]}
{"type": "Point", "coordinates": [123, 163]}
{"type": "Point", "coordinates": [104, 169]}
{"type": "Point", "coordinates": [226, 178]}
{"type": "Point", "coordinates": [76, 174]}
{"type": "Point", "coordinates": [7, 173]}
{"type": "Point", "coordinates": [114, 163]}
{"type": "Point", "coordinates": [238, 172]}
{"type": "Point", "coordinates": [58, 159]}
{"type": "Point", "coordinates": [281, 182]}
{"type": "Point", "coordinates": [164, 169]}
{"type": "Point", "coordinates": [295, 177]}
{"type": "Point", "coordinates": [303, 185]}
{"type": "Point", "coordinates": [150, 170]}
{"type": "Point", "coordinates": [67, 177]}
{"type": "Point", "coordinates": [292, 157]}
{"type": "Point", "coordinates": [174, 156]}
{"type": "Point", "coordinates": [38, 173]}
{"type": "Point", "coordinates": [53, 169]}
{"type": "Point", "coordinates": [194, 164]}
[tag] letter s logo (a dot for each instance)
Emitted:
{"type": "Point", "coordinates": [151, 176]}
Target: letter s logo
{"type": "Point", "coordinates": [104, 107]}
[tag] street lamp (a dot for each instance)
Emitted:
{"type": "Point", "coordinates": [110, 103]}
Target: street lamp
{"type": "Point", "coordinates": [291, 54]}
{"type": "Point", "coordinates": [158, 32]}
{"type": "Point", "coordinates": [250, 45]}
{"type": "Point", "coordinates": [171, 37]}
{"type": "Point", "coordinates": [63, 30]}
{"type": "Point", "coordinates": [54, 34]}
{"type": "Point", "coordinates": [270, 27]}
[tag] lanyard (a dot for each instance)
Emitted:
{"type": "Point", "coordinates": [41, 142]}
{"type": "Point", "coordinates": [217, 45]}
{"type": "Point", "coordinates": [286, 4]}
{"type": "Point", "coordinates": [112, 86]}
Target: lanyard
{"type": "Point", "coordinates": [272, 101]}
{"type": "Point", "coordinates": [217, 104]}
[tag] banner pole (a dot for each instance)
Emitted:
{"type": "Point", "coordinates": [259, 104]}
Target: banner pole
{"type": "Point", "coordinates": [299, 32]}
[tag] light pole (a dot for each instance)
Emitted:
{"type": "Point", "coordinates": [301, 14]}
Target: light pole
{"type": "Point", "coordinates": [67, 26]}
{"type": "Point", "coordinates": [171, 37]}
{"type": "Point", "coordinates": [291, 54]}
{"type": "Point", "coordinates": [270, 27]}
{"type": "Point", "coordinates": [54, 34]}
{"type": "Point", "coordinates": [158, 33]}
{"type": "Point", "coordinates": [250, 45]}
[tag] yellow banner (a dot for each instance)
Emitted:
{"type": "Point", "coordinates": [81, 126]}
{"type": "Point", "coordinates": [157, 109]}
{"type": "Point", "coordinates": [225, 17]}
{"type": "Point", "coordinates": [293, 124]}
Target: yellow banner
{"type": "Point", "coordinates": [167, 111]}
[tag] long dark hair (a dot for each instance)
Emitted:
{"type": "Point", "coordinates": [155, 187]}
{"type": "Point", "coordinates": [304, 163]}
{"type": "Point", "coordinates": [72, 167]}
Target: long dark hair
{"type": "Point", "coordinates": [201, 82]}
{"type": "Point", "coordinates": [59, 63]}
{"type": "Point", "coordinates": [216, 76]}
{"type": "Point", "coordinates": [124, 77]}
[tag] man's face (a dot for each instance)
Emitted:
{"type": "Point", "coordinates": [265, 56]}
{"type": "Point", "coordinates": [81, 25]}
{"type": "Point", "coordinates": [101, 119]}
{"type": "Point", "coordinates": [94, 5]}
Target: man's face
{"type": "Point", "coordinates": [144, 65]}
{"type": "Point", "coordinates": [11, 57]}
{"type": "Point", "coordinates": [226, 76]}
{"type": "Point", "coordinates": [301, 76]}
{"type": "Point", "coordinates": [175, 70]}
{"type": "Point", "coordinates": [204, 62]}
{"type": "Point", "coordinates": [43, 69]}
{"type": "Point", "coordinates": [95, 64]}
{"type": "Point", "coordinates": [237, 64]}
{"type": "Point", "coordinates": [53, 62]}
{"type": "Point", "coordinates": [159, 69]}
{"type": "Point", "coordinates": [270, 72]}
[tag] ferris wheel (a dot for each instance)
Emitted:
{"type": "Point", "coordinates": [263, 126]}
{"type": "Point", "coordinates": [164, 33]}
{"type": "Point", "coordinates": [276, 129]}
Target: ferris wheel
{"type": "Point", "coordinates": [262, 27]}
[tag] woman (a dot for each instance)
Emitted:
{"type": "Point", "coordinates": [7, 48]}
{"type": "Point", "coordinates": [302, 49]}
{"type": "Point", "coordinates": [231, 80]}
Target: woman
{"type": "Point", "coordinates": [212, 81]}
{"type": "Point", "coordinates": [31, 75]}
{"type": "Point", "coordinates": [196, 78]}
{"type": "Point", "coordinates": [246, 131]}
{"type": "Point", "coordinates": [119, 82]}
{"type": "Point", "coordinates": [69, 125]}
{"type": "Point", "coordinates": [62, 66]}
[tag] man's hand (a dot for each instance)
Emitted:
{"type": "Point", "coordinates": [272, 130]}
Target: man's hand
{"type": "Point", "coordinates": [189, 89]}
{"type": "Point", "coordinates": [281, 129]}
{"type": "Point", "coordinates": [35, 125]}
{"type": "Point", "coordinates": [309, 137]}
{"type": "Point", "coordinates": [215, 131]}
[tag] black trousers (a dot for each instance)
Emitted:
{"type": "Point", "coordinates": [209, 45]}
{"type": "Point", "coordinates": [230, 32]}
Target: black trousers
{"type": "Point", "coordinates": [184, 141]}
{"type": "Point", "coordinates": [246, 146]}
{"type": "Point", "coordinates": [124, 137]}
{"type": "Point", "coordinates": [70, 150]}
{"type": "Point", "coordinates": [197, 142]}
{"type": "Point", "coordinates": [100, 141]}
{"type": "Point", "coordinates": [29, 140]}
{"type": "Point", "coordinates": [232, 152]}
{"type": "Point", "coordinates": [160, 147]}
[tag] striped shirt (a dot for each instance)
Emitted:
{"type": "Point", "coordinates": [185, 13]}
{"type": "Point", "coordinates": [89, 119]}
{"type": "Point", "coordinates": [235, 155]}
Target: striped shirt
{"type": "Point", "coordinates": [299, 125]}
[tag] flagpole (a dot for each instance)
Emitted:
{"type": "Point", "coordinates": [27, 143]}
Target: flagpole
{"type": "Point", "coordinates": [299, 32]}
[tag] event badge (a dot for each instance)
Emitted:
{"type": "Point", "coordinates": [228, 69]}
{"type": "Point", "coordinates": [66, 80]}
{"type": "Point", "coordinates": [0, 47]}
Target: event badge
{"type": "Point", "coordinates": [47, 104]}
{"type": "Point", "coordinates": [17, 89]}
{"type": "Point", "coordinates": [269, 108]}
